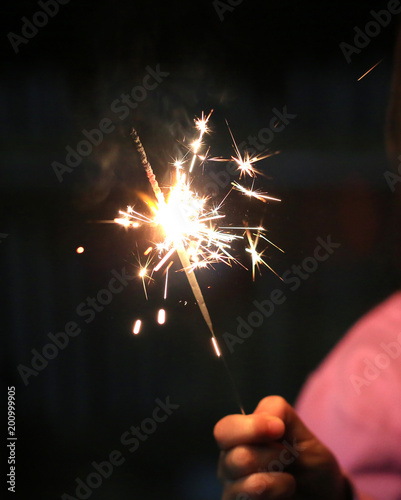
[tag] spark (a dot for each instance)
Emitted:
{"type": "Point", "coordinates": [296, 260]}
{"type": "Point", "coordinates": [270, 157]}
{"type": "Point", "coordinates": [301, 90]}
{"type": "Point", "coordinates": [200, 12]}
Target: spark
{"type": "Point", "coordinates": [80, 250]}
{"type": "Point", "coordinates": [271, 243]}
{"type": "Point", "coordinates": [258, 195]}
{"type": "Point", "coordinates": [166, 281]}
{"type": "Point", "coordinates": [201, 125]}
{"type": "Point", "coordinates": [123, 222]}
{"type": "Point", "coordinates": [178, 164]}
{"type": "Point", "coordinates": [216, 347]}
{"type": "Point", "coordinates": [256, 256]}
{"type": "Point", "coordinates": [143, 275]}
{"type": "Point", "coordinates": [161, 316]}
{"type": "Point", "coordinates": [142, 272]}
{"type": "Point", "coordinates": [245, 162]}
{"type": "Point", "coordinates": [164, 259]}
{"type": "Point", "coordinates": [369, 70]}
{"type": "Point", "coordinates": [137, 327]}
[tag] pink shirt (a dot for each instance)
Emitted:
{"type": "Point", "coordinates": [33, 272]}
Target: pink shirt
{"type": "Point", "coordinates": [352, 402]}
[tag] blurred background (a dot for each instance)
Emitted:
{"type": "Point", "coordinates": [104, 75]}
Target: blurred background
{"type": "Point", "coordinates": [243, 60]}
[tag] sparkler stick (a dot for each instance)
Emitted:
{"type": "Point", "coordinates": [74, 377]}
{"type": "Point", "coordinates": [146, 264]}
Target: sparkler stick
{"type": "Point", "coordinates": [190, 227]}
{"type": "Point", "coordinates": [182, 254]}
{"type": "Point", "coordinates": [186, 263]}
{"type": "Point", "coordinates": [147, 166]}
{"type": "Point", "coordinates": [193, 282]}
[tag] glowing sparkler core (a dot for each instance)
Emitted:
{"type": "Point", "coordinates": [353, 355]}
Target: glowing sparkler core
{"type": "Point", "coordinates": [185, 221]}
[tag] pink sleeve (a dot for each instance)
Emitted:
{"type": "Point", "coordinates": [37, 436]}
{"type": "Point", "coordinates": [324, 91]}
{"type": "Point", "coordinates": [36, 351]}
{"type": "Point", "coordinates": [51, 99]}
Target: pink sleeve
{"type": "Point", "coordinates": [353, 403]}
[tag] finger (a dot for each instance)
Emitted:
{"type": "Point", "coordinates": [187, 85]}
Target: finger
{"type": "Point", "coordinates": [295, 429]}
{"type": "Point", "coordinates": [308, 454]}
{"type": "Point", "coordinates": [243, 461]}
{"type": "Point", "coordinates": [235, 430]}
{"type": "Point", "coordinates": [261, 486]}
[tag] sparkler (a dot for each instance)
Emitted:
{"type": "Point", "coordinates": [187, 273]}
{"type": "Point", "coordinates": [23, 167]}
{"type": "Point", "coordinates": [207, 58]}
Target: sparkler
{"type": "Point", "coordinates": [190, 227]}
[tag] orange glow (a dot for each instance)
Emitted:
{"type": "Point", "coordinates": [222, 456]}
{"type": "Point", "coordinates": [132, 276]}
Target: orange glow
{"type": "Point", "coordinates": [80, 250]}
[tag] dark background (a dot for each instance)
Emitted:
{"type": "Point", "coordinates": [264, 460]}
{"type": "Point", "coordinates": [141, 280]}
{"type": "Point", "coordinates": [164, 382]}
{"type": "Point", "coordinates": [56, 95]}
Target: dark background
{"type": "Point", "coordinates": [329, 175]}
